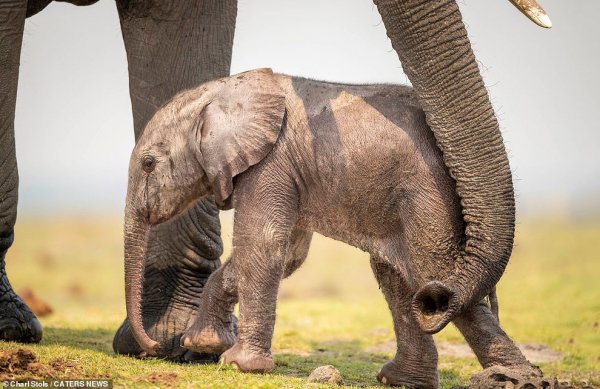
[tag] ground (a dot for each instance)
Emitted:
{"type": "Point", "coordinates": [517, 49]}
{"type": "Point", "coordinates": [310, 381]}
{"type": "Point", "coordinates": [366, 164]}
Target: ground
{"type": "Point", "coordinates": [330, 312]}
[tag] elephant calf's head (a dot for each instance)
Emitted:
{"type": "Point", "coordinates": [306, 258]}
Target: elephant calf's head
{"type": "Point", "coordinates": [193, 147]}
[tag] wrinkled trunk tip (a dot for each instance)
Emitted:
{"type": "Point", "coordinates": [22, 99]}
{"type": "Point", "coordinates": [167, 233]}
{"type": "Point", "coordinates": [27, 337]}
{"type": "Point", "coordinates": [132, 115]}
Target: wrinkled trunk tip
{"type": "Point", "coordinates": [434, 306]}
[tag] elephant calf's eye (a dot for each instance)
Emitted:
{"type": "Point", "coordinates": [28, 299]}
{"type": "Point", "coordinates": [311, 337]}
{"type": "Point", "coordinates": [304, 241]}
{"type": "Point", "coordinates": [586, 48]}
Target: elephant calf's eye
{"type": "Point", "coordinates": [148, 164]}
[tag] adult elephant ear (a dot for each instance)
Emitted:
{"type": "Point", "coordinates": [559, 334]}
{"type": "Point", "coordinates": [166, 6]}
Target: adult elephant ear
{"type": "Point", "coordinates": [239, 126]}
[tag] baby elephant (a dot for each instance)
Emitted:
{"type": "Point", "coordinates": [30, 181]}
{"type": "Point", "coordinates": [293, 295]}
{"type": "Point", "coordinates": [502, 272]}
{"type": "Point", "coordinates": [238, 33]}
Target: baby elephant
{"type": "Point", "coordinates": [292, 156]}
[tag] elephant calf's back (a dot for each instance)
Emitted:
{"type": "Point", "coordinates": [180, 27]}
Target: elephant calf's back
{"type": "Point", "coordinates": [370, 153]}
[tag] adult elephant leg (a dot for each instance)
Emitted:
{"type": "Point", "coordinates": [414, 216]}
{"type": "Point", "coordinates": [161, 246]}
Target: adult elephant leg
{"type": "Point", "coordinates": [415, 363]}
{"type": "Point", "coordinates": [17, 322]}
{"type": "Point", "coordinates": [172, 46]}
{"type": "Point", "coordinates": [434, 49]}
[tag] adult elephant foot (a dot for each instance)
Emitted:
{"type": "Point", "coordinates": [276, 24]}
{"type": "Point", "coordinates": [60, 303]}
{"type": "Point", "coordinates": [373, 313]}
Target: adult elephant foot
{"type": "Point", "coordinates": [182, 254]}
{"type": "Point", "coordinates": [525, 376]}
{"type": "Point", "coordinates": [165, 332]}
{"type": "Point", "coordinates": [17, 322]}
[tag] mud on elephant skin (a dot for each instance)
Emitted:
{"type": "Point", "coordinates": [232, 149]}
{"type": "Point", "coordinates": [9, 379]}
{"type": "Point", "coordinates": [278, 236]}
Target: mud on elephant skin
{"type": "Point", "coordinates": [292, 156]}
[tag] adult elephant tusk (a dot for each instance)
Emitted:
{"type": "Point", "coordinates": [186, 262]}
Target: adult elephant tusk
{"type": "Point", "coordinates": [533, 11]}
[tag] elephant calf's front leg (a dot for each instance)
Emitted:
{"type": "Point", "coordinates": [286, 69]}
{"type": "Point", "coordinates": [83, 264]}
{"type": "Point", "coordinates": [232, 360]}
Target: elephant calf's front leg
{"type": "Point", "coordinates": [258, 283]}
{"type": "Point", "coordinates": [261, 245]}
{"type": "Point", "coordinates": [213, 331]}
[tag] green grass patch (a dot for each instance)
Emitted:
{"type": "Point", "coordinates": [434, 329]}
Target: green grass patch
{"type": "Point", "coordinates": [329, 312]}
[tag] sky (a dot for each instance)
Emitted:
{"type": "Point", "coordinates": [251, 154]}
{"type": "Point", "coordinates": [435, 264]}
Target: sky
{"type": "Point", "coordinates": [74, 128]}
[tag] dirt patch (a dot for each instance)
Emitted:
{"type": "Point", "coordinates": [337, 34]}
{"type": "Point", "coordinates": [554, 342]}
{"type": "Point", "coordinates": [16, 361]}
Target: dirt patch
{"type": "Point", "coordinates": [535, 353]}
{"type": "Point", "coordinates": [38, 306]}
{"type": "Point", "coordinates": [16, 362]}
{"type": "Point", "coordinates": [538, 353]}
{"type": "Point", "coordinates": [65, 367]}
{"type": "Point", "coordinates": [22, 363]}
{"type": "Point", "coordinates": [457, 350]}
{"type": "Point", "coordinates": [162, 378]}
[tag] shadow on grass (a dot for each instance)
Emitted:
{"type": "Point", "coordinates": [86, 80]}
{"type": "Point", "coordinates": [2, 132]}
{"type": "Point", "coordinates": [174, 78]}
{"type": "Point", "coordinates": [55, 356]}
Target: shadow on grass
{"type": "Point", "coordinates": [358, 367]}
{"type": "Point", "coordinates": [92, 339]}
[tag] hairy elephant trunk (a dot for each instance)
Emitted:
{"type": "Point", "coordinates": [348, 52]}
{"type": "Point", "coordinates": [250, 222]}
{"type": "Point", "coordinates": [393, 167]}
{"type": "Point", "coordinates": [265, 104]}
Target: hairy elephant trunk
{"type": "Point", "coordinates": [136, 241]}
{"type": "Point", "coordinates": [432, 43]}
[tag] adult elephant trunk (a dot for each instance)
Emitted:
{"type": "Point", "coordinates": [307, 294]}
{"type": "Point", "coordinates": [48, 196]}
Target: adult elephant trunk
{"type": "Point", "coordinates": [137, 229]}
{"type": "Point", "coordinates": [432, 43]}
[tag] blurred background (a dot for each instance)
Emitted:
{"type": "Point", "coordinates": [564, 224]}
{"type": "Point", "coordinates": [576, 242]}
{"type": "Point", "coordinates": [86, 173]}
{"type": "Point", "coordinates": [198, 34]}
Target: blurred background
{"type": "Point", "coordinates": [74, 136]}
{"type": "Point", "coordinates": [74, 126]}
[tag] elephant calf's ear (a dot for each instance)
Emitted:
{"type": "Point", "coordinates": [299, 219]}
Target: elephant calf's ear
{"type": "Point", "coordinates": [240, 127]}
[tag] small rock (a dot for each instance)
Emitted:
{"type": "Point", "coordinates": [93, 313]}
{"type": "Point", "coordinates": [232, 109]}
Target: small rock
{"type": "Point", "coordinates": [326, 375]}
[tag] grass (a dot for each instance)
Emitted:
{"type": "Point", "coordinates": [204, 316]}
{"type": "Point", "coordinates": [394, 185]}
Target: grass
{"type": "Point", "coordinates": [330, 311]}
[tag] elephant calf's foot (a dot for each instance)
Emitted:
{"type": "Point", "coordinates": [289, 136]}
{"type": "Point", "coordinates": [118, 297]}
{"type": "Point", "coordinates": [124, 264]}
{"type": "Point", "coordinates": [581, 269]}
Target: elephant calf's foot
{"type": "Point", "coordinates": [518, 376]}
{"type": "Point", "coordinates": [17, 322]}
{"type": "Point", "coordinates": [247, 361]}
{"type": "Point", "coordinates": [208, 338]}
{"type": "Point", "coordinates": [395, 373]}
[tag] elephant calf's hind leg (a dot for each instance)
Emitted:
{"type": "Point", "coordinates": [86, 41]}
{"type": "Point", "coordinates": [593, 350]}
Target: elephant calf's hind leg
{"type": "Point", "coordinates": [415, 363]}
{"type": "Point", "coordinates": [213, 330]}
{"type": "Point", "coordinates": [496, 352]}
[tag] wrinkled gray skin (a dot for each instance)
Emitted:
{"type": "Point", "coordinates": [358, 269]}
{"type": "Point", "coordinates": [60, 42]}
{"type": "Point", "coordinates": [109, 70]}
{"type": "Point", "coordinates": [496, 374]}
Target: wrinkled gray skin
{"type": "Point", "coordinates": [295, 156]}
{"type": "Point", "coordinates": [171, 45]}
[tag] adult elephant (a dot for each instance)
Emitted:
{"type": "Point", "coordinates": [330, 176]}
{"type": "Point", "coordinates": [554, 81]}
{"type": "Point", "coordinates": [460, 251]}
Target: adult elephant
{"type": "Point", "coordinates": [173, 45]}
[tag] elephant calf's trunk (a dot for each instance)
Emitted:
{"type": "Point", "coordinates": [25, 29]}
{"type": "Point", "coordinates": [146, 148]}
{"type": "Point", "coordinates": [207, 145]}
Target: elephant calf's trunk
{"type": "Point", "coordinates": [136, 237]}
